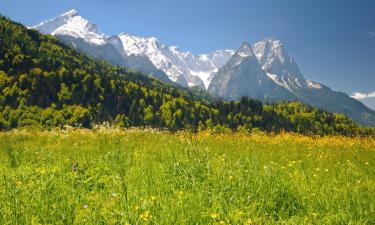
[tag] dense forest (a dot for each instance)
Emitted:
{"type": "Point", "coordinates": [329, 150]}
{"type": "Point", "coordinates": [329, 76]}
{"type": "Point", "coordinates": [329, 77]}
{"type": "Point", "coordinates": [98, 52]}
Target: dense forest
{"type": "Point", "coordinates": [45, 83]}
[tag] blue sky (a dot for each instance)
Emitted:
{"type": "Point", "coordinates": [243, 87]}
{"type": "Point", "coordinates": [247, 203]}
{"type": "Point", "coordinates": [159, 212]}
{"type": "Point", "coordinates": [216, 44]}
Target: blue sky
{"type": "Point", "coordinates": [332, 41]}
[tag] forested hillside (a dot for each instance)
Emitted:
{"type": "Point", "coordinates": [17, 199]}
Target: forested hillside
{"type": "Point", "coordinates": [45, 83]}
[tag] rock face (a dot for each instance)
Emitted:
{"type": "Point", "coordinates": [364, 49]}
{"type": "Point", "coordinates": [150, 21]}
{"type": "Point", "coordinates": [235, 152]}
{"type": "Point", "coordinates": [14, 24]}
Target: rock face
{"type": "Point", "coordinates": [79, 33]}
{"type": "Point", "coordinates": [265, 70]}
{"type": "Point", "coordinates": [244, 76]}
{"type": "Point", "coordinates": [73, 25]}
{"type": "Point", "coordinates": [147, 55]}
{"type": "Point", "coordinates": [181, 67]}
{"type": "Point", "coordinates": [278, 64]}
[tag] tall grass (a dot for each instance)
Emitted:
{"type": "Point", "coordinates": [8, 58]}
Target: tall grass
{"type": "Point", "coordinates": [148, 177]}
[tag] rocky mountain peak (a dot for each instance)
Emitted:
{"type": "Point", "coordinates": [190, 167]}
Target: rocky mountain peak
{"type": "Point", "coordinates": [73, 25]}
{"type": "Point", "coordinates": [70, 13]}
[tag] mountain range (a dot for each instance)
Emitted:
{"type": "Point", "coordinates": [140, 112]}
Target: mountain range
{"type": "Point", "coordinates": [264, 70]}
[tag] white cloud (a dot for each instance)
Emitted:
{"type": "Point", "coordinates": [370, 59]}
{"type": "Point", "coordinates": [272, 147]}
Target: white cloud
{"type": "Point", "coordinates": [370, 33]}
{"type": "Point", "coordinates": [358, 95]}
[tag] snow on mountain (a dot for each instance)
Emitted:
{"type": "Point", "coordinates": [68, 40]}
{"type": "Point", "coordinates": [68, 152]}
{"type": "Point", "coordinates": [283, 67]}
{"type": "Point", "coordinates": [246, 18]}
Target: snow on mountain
{"type": "Point", "coordinates": [180, 66]}
{"type": "Point", "coordinates": [276, 64]}
{"type": "Point", "coordinates": [243, 76]}
{"type": "Point", "coordinates": [209, 64]}
{"type": "Point", "coordinates": [245, 51]}
{"type": "Point", "coordinates": [72, 24]}
{"type": "Point", "coordinates": [276, 60]}
{"type": "Point", "coordinates": [264, 70]}
{"type": "Point", "coordinates": [274, 75]}
{"type": "Point", "coordinates": [313, 84]}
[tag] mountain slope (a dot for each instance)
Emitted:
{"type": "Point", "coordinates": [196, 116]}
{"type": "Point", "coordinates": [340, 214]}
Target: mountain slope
{"type": "Point", "coordinates": [276, 60]}
{"type": "Point", "coordinates": [109, 53]}
{"type": "Point", "coordinates": [269, 73]}
{"type": "Point", "coordinates": [244, 76]}
{"type": "Point", "coordinates": [147, 55]}
{"type": "Point", "coordinates": [72, 24]}
{"type": "Point", "coordinates": [79, 33]}
{"type": "Point", "coordinates": [169, 64]}
{"type": "Point", "coordinates": [182, 67]}
{"type": "Point", "coordinates": [46, 83]}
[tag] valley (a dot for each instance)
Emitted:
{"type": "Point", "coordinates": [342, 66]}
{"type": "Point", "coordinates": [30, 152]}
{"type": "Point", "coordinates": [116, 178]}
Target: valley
{"type": "Point", "coordinates": [124, 129]}
{"type": "Point", "coordinates": [273, 75]}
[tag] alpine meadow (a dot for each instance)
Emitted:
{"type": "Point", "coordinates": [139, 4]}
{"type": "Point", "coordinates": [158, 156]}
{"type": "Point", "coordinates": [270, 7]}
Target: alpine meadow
{"type": "Point", "coordinates": [112, 176]}
{"type": "Point", "coordinates": [123, 129]}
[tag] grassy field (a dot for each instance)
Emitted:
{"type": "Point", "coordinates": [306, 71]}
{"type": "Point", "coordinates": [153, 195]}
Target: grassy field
{"type": "Point", "coordinates": [149, 177]}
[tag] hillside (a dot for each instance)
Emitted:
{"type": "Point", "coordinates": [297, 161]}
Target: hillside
{"type": "Point", "coordinates": [46, 83]}
{"type": "Point", "coordinates": [147, 55]}
{"type": "Point", "coordinates": [267, 73]}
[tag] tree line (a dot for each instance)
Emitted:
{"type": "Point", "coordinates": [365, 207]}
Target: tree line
{"type": "Point", "coordinates": [45, 83]}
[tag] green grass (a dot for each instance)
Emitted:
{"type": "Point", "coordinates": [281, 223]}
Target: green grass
{"type": "Point", "coordinates": [149, 177]}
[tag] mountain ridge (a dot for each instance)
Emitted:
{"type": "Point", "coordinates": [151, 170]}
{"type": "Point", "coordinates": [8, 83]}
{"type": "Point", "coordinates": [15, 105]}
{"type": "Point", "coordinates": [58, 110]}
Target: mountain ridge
{"type": "Point", "coordinates": [168, 64]}
{"type": "Point", "coordinates": [183, 68]}
{"type": "Point", "coordinates": [244, 76]}
{"type": "Point", "coordinates": [281, 68]}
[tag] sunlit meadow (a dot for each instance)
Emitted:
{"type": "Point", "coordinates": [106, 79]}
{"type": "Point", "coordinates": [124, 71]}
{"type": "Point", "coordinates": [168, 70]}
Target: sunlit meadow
{"type": "Point", "coordinates": [111, 176]}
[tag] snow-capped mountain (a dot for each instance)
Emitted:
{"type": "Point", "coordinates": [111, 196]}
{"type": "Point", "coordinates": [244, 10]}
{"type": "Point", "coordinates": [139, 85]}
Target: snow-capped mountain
{"type": "Point", "coordinates": [181, 67]}
{"type": "Point", "coordinates": [243, 75]}
{"type": "Point", "coordinates": [266, 71]}
{"type": "Point", "coordinates": [72, 24]}
{"type": "Point", "coordinates": [74, 30]}
{"type": "Point", "coordinates": [278, 64]}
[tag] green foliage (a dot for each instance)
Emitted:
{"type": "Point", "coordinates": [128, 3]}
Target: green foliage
{"type": "Point", "coordinates": [45, 83]}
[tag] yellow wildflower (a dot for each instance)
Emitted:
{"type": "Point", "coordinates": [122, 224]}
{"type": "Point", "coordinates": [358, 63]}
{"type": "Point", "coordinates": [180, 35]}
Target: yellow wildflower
{"type": "Point", "coordinates": [145, 216]}
{"type": "Point", "coordinates": [214, 215]}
